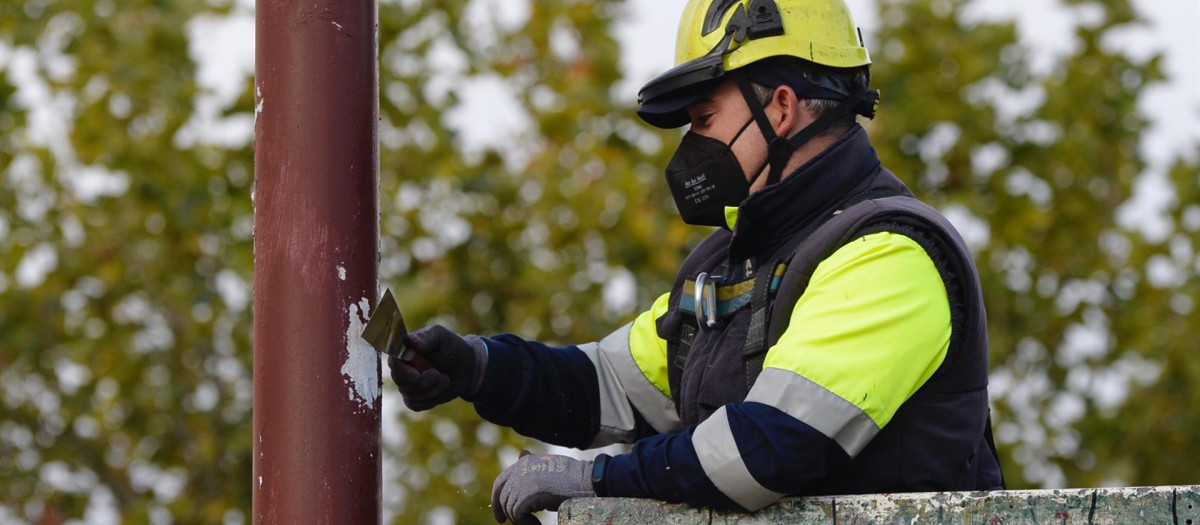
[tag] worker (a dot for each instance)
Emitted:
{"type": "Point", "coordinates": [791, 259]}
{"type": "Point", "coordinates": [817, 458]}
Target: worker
{"type": "Point", "coordinates": [828, 337]}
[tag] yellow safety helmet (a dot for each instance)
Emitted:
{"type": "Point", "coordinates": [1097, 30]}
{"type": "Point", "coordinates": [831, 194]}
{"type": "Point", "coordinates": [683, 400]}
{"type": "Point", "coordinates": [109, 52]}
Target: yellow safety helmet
{"type": "Point", "coordinates": [719, 36]}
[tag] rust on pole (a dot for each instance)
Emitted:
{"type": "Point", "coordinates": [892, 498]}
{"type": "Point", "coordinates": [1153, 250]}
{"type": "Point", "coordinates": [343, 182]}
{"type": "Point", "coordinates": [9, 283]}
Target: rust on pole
{"type": "Point", "coordinates": [316, 383]}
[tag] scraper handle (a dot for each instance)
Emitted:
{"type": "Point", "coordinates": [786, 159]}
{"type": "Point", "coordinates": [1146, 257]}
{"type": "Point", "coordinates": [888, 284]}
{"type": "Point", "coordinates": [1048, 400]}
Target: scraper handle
{"type": "Point", "coordinates": [417, 361]}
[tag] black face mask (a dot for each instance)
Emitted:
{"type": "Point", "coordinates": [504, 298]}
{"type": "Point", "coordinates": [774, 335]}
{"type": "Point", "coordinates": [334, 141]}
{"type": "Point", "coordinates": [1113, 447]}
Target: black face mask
{"type": "Point", "coordinates": [705, 177]}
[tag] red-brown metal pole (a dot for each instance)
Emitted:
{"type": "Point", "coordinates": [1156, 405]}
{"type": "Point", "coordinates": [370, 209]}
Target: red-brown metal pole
{"type": "Point", "coordinates": [316, 384]}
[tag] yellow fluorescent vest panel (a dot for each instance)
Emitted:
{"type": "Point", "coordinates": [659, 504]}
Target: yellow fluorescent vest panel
{"type": "Point", "coordinates": [873, 325]}
{"type": "Point", "coordinates": [650, 351]}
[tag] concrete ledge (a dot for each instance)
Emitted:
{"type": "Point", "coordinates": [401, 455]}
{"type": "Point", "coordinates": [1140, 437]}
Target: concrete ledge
{"type": "Point", "coordinates": [1173, 505]}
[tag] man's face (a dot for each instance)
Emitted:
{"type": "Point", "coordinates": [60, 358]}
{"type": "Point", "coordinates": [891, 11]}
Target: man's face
{"type": "Point", "coordinates": [721, 115]}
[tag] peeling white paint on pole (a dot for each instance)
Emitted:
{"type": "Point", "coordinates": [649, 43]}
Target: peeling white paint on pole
{"type": "Point", "coordinates": [362, 363]}
{"type": "Point", "coordinates": [258, 108]}
{"type": "Point", "coordinates": [342, 273]}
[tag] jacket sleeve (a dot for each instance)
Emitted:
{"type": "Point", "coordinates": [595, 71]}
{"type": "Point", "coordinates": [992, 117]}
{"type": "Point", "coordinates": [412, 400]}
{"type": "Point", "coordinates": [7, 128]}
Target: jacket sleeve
{"type": "Point", "coordinates": [582, 396]}
{"type": "Point", "coordinates": [872, 327]}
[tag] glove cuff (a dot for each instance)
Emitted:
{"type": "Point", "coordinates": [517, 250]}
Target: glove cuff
{"type": "Point", "coordinates": [597, 469]}
{"type": "Point", "coordinates": [481, 358]}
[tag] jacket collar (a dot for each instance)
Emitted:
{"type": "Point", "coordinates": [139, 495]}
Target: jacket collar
{"type": "Point", "coordinates": [775, 214]}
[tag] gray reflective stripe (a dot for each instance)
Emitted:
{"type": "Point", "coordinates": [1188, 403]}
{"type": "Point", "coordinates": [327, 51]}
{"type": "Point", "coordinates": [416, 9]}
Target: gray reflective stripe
{"type": "Point", "coordinates": [656, 407]}
{"type": "Point", "coordinates": [816, 406]}
{"type": "Point", "coordinates": [616, 415]}
{"type": "Point", "coordinates": [621, 383]}
{"type": "Point", "coordinates": [719, 456]}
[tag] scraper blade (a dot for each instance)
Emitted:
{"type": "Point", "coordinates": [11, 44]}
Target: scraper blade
{"type": "Point", "coordinates": [385, 331]}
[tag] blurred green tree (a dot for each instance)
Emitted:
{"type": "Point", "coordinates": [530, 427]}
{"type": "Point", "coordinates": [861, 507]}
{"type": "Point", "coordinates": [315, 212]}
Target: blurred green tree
{"type": "Point", "coordinates": [125, 249]}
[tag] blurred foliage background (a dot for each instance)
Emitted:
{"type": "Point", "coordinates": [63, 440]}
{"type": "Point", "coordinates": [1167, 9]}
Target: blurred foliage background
{"type": "Point", "coordinates": [126, 240]}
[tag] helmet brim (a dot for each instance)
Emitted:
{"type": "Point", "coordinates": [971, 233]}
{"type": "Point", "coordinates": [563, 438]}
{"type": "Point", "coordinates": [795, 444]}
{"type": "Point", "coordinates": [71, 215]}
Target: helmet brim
{"type": "Point", "coordinates": [664, 99]}
{"type": "Point", "coordinates": [670, 111]}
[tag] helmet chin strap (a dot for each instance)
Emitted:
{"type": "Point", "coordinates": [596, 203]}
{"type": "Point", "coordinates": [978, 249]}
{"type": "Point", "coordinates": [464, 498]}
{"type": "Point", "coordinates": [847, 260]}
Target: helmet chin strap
{"type": "Point", "coordinates": [780, 149]}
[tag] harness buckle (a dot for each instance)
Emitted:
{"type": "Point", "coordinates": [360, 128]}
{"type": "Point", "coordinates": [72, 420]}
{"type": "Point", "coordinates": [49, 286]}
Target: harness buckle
{"type": "Point", "coordinates": [705, 297]}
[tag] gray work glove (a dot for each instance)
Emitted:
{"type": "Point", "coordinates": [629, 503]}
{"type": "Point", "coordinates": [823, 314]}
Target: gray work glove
{"type": "Point", "coordinates": [536, 483]}
{"type": "Point", "coordinates": [449, 366]}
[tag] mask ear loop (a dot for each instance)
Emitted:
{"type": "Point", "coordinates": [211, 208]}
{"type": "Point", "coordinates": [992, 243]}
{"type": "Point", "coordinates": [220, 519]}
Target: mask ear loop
{"type": "Point", "coordinates": [740, 131]}
{"type": "Point", "coordinates": [757, 172]}
{"type": "Point", "coordinates": [779, 149]}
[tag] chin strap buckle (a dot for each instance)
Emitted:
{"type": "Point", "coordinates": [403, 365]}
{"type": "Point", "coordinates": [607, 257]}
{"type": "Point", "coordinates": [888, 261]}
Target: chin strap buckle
{"type": "Point", "coordinates": [869, 104]}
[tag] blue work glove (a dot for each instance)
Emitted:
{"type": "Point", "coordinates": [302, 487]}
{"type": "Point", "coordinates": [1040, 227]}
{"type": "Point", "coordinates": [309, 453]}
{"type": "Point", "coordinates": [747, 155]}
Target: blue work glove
{"type": "Point", "coordinates": [536, 483]}
{"type": "Point", "coordinates": [447, 366]}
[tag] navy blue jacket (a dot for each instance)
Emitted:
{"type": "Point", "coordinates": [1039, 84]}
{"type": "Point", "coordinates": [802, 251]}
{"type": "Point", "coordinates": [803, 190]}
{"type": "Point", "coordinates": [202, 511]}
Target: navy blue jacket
{"type": "Point", "coordinates": [702, 435]}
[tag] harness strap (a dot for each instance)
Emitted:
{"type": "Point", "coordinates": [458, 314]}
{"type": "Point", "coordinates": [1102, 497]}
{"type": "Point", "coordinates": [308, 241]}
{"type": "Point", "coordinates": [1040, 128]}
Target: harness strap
{"type": "Point", "coordinates": [754, 353]}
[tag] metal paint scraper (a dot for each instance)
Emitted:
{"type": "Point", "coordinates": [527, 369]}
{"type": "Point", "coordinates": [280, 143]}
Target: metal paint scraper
{"type": "Point", "coordinates": [385, 331]}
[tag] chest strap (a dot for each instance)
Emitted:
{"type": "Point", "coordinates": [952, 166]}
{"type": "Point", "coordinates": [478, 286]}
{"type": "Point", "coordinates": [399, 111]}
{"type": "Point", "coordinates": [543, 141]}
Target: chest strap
{"type": "Point", "coordinates": [729, 298]}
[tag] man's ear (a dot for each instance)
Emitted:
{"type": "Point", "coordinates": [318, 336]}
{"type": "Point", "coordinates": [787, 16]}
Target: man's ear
{"type": "Point", "coordinates": [787, 108]}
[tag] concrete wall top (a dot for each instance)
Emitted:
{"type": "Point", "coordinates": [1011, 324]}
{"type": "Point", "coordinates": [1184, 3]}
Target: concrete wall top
{"type": "Point", "coordinates": [1173, 505]}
